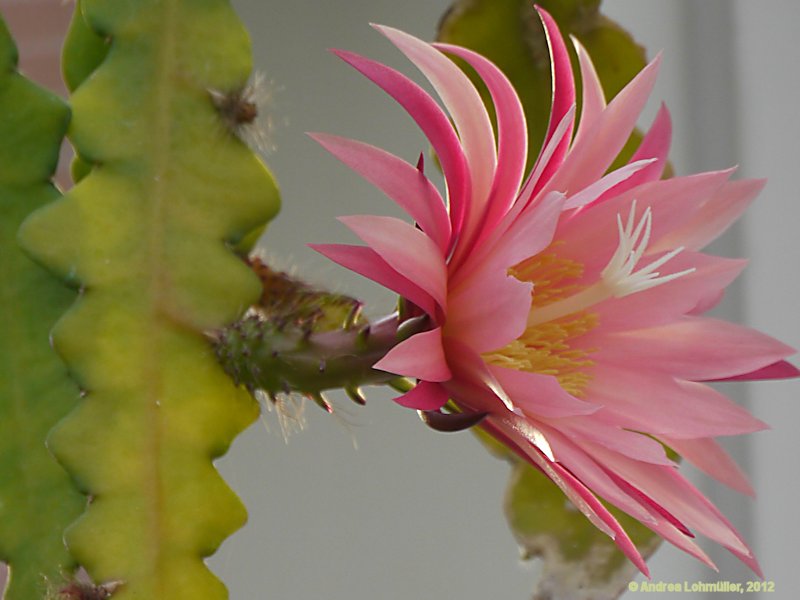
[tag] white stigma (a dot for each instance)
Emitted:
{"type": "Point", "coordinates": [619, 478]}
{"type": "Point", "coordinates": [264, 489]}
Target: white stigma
{"type": "Point", "coordinates": [619, 278]}
{"type": "Point", "coordinates": [619, 275]}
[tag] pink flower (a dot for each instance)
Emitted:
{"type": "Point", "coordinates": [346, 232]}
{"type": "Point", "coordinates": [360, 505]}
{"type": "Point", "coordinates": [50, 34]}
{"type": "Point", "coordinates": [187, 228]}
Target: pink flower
{"type": "Point", "coordinates": [565, 306]}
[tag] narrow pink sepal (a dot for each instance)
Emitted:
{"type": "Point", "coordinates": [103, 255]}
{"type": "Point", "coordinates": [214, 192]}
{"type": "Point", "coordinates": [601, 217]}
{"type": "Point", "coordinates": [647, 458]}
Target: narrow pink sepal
{"type": "Point", "coordinates": [591, 156]}
{"type": "Point", "coordinates": [781, 369]}
{"type": "Point", "coordinates": [594, 99]}
{"type": "Point", "coordinates": [365, 261]}
{"type": "Point", "coordinates": [407, 250]}
{"type": "Point", "coordinates": [424, 396]}
{"type": "Point", "coordinates": [512, 142]}
{"type": "Point", "coordinates": [707, 455]}
{"type": "Point", "coordinates": [400, 181]}
{"type": "Point", "coordinates": [420, 356]}
{"type": "Point", "coordinates": [581, 496]}
{"type": "Point", "coordinates": [465, 106]}
{"type": "Point", "coordinates": [563, 85]}
{"type": "Point", "coordinates": [655, 146]}
{"type": "Point", "coordinates": [434, 123]}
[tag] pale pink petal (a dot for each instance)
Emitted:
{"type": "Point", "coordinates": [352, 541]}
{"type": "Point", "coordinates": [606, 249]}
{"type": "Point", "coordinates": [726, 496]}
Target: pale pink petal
{"type": "Point", "coordinates": [400, 181]}
{"type": "Point", "coordinates": [642, 399]}
{"type": "Point", "coordinates": [563, 84]}
{"type": "Point", "coordinates": [596, 189]}
{"type": "Point", "coordinates": [708, 456]}
{"type": "Point", "coordinates": [539, 395]}
{"type": "Point", "coordinates": [778, 370]}
{"type": "Point", "coordinates": [693, 348]}
{"type": "Point", "coordinates": [465, 106]}
{"type": "Point", "coordinates": [512, 142]}
{"type": "Point", "coordinates": [602, 428]}
{"type": "Point", "coordinates": [572, 487]}
{"type": "Point", "coordinates": [424, 396]}
{"type": "Point", "coordinates": [420, 356]}
{"type": "Point", "coordinates": [365, 261]}
{"type": "Point", "coordinates": [655, 145]}
{"type": "Point", "coordinates": [714, 216]}
{"type": "Point", "coordinates": [669, 489]}
{"type": "Point", "coordinates": [469, 368]}
{"type": "Point", "coordinates": [407, 250]}
{"type": "Point", "coordinates": [490, 313]}
{"type": "Point", "coordinates": [514, 240]}
{"type": "Point", "coordinates": [434, 123]}
{"type": "Point", "coordinates": [591, 156]}
{"type": "Point", "coordinates": [665, 303]}
{"type": "Point", "coordinates": [590, 237]}
{"type": "Point", "coordinates": [593, 475]}
{"type": "Point", "coordinates": [594, 99]}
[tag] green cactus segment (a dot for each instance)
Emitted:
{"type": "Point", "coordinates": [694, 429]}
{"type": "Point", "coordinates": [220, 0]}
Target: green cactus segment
{"type": "Point", "coordinates": [37, 499]}
{"type": "Point", "coordinates": [84, 49]}
{"type": "Point", "coordinates": [579, 561]}
{"type": "Point", "coordinates": [146, 236]}
{"type": "Point", "coordinates": [510, 33]}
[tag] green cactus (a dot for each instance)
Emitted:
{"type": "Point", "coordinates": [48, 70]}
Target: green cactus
{"type": "Point", "coordinates": [146, 236]}
{"type": "Point", "coordinates": [37, 499]}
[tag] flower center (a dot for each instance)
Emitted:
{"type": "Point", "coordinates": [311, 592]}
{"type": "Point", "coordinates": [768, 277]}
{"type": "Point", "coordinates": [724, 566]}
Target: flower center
{"type": "Point", "coordinates": [560, 311]}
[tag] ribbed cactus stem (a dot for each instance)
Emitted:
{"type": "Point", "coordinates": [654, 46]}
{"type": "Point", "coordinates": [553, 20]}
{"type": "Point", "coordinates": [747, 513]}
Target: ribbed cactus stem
{"type": "Point", "coordinates": [261, 355]}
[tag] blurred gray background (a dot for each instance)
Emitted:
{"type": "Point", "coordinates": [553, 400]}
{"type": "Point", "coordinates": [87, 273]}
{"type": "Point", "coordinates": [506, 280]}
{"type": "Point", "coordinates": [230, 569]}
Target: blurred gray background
{"type": "Point", "coordinates": [415, 514]}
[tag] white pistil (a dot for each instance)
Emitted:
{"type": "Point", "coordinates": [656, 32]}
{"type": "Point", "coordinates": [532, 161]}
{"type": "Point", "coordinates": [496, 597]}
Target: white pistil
{"type": "Point", "coordinates": [619, 278]}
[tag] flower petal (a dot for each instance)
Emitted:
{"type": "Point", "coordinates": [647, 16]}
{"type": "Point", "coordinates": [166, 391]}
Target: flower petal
{"type": "Point", "coordinates": [708, 456]}
{"type": "Point", "coordinates": [694, 348]}
{"type": "Point", "coordinates": [420, 356]}
{"type": "Point", "coordinates": [407, 250]}
{"type": "Point", "coordinates": [434, 124]}
{"type": "Point", "coordinates": [594, 99]}
{"type": "Point", "coordinates": [424, 396]}
{"type": "Point", "coordinates": [365, 261]}
{"type": "Point", "coordinates": [465, 106]}
{"type": "Point", "coordinates": [540, 395]}
{"type": "Point", "coordinates": [512, 142]}
{"type": "Point", "coordinates": [402, 182]}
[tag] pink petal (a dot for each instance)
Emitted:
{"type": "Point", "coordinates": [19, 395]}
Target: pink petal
{"type": "Point", "coordinates": [512, 142]}
{"type": "Point", "coordinates": [424, 396]}
{"type": "Point", "coordinates": [467, 109]}
{"type": "Point", "coordinates": [778, 370]}
{"type": "Point", "coordinates": [708, 456]}
{"type": "Point", "coordinates": [644, 400]}
{"type": "Point", "coordinates": [664, 304]}
{"type": "Point", "coordinates": [602, 428]}
{"type": "Point", "coordinates": [669, 489]}
{"type": "Point", "coordinates": [434, 123]}
{"type": "Point", "coordinates": [518, 237]}
{"type": "Point", "coordinates": [590, 237]}
{"type": "Point", "coordinates": [420, 356]}
{"type": "Point", "coordinates": [596, 189]}
{"type": "Point", "coordinates": [590, 156]}
{"type": "Point", "coordinates": [367, 262]}
{"type": "Point", "coordinates": [694, 348]}
{"type": "Point", "coordinates": [655, 145]}
{"type": "Point", "coordinates": [402, 182]}
{"type": "Point", "coordinates": [563, 84]}
{"type": "Point", "coordinates": [594, 100]}
{"type": "Point", "coordinates": [572, 487]}
{"type": "Point", "coordinates": [469, 368]}
{"type": "Point", "coordinates": [406, 249]}
{"type": "Point", "coordinates": [491, 312]}
{"type": "Point", "coordinates": [714, 216]}
{"type": "Point", "coordinates": [540, 395]}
